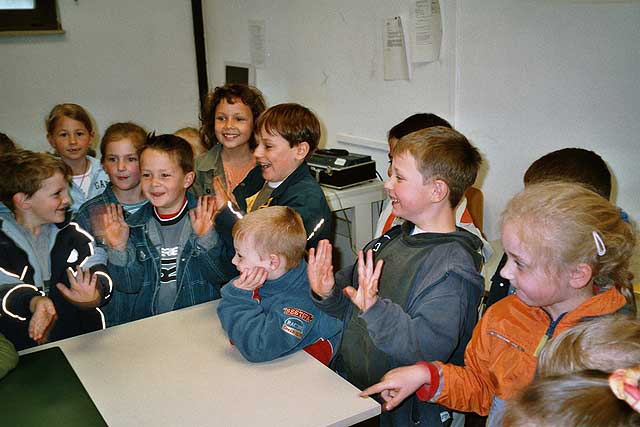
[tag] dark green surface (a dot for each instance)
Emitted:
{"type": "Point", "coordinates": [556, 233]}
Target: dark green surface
{"type": "Point", "coordinates": [44, 390]}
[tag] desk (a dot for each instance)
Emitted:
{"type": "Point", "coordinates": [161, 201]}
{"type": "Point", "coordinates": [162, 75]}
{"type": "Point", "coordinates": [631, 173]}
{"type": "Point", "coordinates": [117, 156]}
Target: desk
{"type": "Point", "coordinates": [361, 198]}
{"type": "Point", "coordinates": [179, 369]}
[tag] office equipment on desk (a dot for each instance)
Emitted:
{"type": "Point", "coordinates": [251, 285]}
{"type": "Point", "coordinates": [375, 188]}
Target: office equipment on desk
{"type": "Point", "coordinates": [44, 390]}
{"type": "Point", "coordinates": [339, 169]}
{"type": "Point", "coordinates": [179, 369]}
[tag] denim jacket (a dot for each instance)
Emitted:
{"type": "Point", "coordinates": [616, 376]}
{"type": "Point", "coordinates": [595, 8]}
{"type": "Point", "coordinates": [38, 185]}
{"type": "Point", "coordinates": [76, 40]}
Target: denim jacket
{"type": "Point", "coordinates": [136, 271]}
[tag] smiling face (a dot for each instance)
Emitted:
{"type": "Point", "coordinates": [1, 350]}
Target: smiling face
{"type": "Point", "coordinates": [120, 161]}
{"type": "Point", "coordinates": [70, 138]}
{"type": "Point", "coordinates": [163, 181]}
{"type": "Point", "coordinates": [276, 157]}
{"type": "Point", "coordinates": [408, 192]}
{"type": "Point", "coordinates": [49, 204]}
{"type": "Point", "coordinates": [233, 124]}
{"type": "Point", "coordinates": [537, 283]}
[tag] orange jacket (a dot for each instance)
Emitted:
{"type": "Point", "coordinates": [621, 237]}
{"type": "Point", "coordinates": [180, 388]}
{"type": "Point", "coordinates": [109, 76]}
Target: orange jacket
{"type": "Point", "coordinates": [501, 356]}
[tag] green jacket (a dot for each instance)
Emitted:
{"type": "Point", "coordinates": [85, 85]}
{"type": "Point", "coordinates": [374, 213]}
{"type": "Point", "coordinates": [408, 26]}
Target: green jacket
{"type": "Point", "coordinates": [8, 356]}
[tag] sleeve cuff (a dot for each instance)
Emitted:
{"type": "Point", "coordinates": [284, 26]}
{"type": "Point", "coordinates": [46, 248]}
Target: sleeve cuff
{"type": "Point", "coordinates": [428, 391]}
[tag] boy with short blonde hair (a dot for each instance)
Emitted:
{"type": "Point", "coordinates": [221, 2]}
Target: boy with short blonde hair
{"type": "Point", "coordinates": [48, 267]}
{"type": "Point", "coordinates": [419, 300]}
{"type": "Point", "coordinates": [266, 311]}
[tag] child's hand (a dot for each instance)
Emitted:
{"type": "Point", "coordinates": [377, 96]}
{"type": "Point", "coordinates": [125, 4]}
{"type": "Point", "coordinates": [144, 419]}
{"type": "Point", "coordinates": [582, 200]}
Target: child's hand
{"type": "Point", "coordinates": [624, 384]}
{"type": "Point", "coordinates": [114, 228]}
{"type": "Point", "coordinates": [202, 216]}
{"type": "Point", "coordinates": [83, 291]}
{"type": "Point", "coordinates": [367, 293]}
{"type": "Point", "coordinates": [221, 195]}
{"type": "Point", "coordinates": [43, 315]}
{"type": "Point", "coordinates": [398, 384]}
{"type": "Point", "coordinates": [320, 269]}
{"type": "Point", "coordinates": [251, 279]}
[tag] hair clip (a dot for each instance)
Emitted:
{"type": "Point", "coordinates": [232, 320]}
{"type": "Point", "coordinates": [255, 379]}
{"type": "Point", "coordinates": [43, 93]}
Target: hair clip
{"type": "Point", "coordinates": [600, 247]}
{"type": "Point", "coordinates": [624, 385]}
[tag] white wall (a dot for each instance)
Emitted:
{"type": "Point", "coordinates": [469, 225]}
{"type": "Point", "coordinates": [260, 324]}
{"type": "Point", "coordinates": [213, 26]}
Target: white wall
{"type": "Point", "coordinates": [121, 60]}
{"type": "Point", "coordinates": [519, 78]}
{"type": "Point", "coordinates": [536, 76]}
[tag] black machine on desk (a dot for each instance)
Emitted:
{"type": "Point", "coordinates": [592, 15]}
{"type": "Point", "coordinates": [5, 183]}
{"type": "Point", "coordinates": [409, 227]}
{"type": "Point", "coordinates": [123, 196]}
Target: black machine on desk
{"type": "Point", "coordinates": [340, 169]}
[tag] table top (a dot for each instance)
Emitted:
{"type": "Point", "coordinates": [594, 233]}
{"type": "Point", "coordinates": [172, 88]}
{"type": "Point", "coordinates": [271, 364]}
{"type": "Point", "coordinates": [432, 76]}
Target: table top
{"type": "Point", "coordinates": [180, 369]}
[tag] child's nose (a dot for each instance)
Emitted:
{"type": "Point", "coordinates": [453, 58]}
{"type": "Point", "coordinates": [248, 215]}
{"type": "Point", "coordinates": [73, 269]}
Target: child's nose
{"type": "Point", "coordinates": [121, 165]}
{"type": "Point", "coordinates": [388, 185]}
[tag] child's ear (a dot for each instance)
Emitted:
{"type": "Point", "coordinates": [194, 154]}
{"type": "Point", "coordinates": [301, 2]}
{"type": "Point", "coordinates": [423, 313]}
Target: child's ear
{"type": "Point", "coordinates": [22, 201]}
{"type": "Point", "coordinates": [440, 191]}
{"type": "Point", "coordinates": [50, 139]}
{"type": "Point", "coordinates": [188, 179]}
{"type": "Point", "coordinates": [302, 149]}
{"type": "Point", "coordinates": [580, 276]}
{"type": "Point", "coordinates": [274, 262]}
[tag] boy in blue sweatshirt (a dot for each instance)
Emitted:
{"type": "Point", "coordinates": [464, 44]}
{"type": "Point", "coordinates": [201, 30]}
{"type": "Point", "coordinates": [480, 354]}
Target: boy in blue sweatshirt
{"type": "Point", "coordinates": [267, 311]}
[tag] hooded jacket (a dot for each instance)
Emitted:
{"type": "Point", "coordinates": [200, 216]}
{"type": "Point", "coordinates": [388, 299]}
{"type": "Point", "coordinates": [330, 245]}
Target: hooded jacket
{"type": "Point", "coordinates": [429, 293]}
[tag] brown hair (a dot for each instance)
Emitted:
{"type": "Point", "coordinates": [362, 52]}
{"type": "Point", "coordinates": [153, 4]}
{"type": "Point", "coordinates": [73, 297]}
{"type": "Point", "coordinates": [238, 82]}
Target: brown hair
{"type": "Point", "coordinates": [274, 230]}
{"type": "Point", "coordinates": [574, 400]}
{"type": "Point", "coordinates": [174, 146]}
{"type": "Point", "coordinates": [119, 131]}
{"type": "Point", "coordinates": [556, 222]}
{"type": "Point", "coordinates": [293, 122]}
{"type": "Point", "coordinates": [445, 154]}
{"type": "Point", "coordinates": [606, 343]}
{"type": "Point", "coordinates": [232, 92]}
{"type": "Point", "coordinates": [6, 144]}
{"type": "Point", "coordinates": [573, 165]}
{"type": "Point", "coordinates": [24, 171]}
{"type": "Point", "coordinates": [73, 111]}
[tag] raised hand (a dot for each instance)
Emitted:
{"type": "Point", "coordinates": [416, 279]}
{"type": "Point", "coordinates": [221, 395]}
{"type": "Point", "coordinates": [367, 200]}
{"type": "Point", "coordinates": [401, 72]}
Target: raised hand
{"type": "Point", "coordinates": [114, 228]}
{"type": "Point", "coordinates": [83, 290]}
{"type": "Point", "coordinates": [222, 196]}
{"type": "Point", "coordinates": [42, 318]}
{"type": "Point", "coordinates": [202, 216]}
{"type": "Point", "coordinates": [398, 384]}
{"type": "Point", "coordinates": [251, 279]}
{"type": "Point", "coordinates": [320, 269]}
{"type": "Point", "coordinates": [367, 293]}
{"type": "Point", "coordinates": [625, 385]}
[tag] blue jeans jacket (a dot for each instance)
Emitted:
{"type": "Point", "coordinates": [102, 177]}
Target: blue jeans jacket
{"type": "Point", "coordinates": [136, 271]}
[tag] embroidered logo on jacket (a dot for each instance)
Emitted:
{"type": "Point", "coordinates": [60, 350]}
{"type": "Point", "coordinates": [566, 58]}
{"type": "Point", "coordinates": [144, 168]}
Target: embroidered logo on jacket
{"type": "Point", "coordinates": [301, 314]}
{"type": "Point", "coordinates": [293, 326]}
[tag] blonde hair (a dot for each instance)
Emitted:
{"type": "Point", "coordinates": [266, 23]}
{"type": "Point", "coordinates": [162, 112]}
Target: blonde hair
{"type": "Point", "coordinates": [575, 400]}
{"type": "Point", "coordinates": [275, 230]}
{"type": "Point", "coordinates": [559, 221]}
{"type": "Point", "coordinates": [24, 171]}
{"type": "Point", "coordinates": [73, 111]}
{"type": "Point", "coordinates": [445, 154]}
{"type": "Point", "coordinates": [606, 343]}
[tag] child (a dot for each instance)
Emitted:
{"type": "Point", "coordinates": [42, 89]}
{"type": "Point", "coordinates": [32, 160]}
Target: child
{"type": "Point", "coordinates": [163, 255]}
{"type": "Point", "coordinates": [605, 344]}
{"type": "Point", "coordinates": [559, 238]}
{"type": "Point", "coordinates": [267, 312]}
{"type": "Point", "coordinates": [8, 356]}
{"type": "Point", "coordinates": [287, 135]}
{"type": "Point", "coordinates": [583, 399]}
{"type": "Point", "coordinates": [119, 149]}
{"type": "Point", "coordinates": [192, 136]}
{"type": "Point", "coordinates": [568, 165]}
{"type": "Point", "coordinates": [228, 119]}
{"type": "Point", "coordinates": [463, 217]}
{"type": "Point", "coordinates": [430, 286]}
{"type": "Point", "coordinates": [70, 132]}
{"type": "Point", "coordinates": [42, 253]}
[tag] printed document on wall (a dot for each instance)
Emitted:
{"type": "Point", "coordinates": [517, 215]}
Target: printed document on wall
{"type": "Point", "coordinates": [426, 34]}
{"type": "Point", "coordinates": [395, 52]}
{"type": "Point", "coordinates": [257, 42]}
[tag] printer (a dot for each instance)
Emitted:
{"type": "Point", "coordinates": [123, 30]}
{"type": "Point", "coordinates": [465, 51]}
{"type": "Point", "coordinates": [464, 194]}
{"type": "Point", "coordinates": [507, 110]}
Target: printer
{"type": "Point", "coordinates": [335, 168]}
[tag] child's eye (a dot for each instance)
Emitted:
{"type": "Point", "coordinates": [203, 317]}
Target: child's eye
{"type": "Point", "coordinates": [220, 118]}
{"type": "Point", "coordinates": [165, 175]}
{"type": "Point", "coordinates": [133, 159]}
{"type": "Point", "coordinates": [146, 174]}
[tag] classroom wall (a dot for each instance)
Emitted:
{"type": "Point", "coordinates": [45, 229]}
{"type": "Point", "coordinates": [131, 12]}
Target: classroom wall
{"type": "Point", "coordinates": [119, 59]}
{"type": "Point", "coordinates": [519, 78]}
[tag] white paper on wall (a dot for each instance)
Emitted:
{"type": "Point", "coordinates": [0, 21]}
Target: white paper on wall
{"type": "Point", "coordinates": [257, 42]}
{"type": "Point", "coordinates": [395, 52]}
{"type": "Point", "coordinates": [426, 34]}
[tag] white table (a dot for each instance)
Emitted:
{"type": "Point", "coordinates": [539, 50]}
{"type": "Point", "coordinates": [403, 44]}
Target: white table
{"type": "Point", "coordinates": [363, 199]}
{"type": "Point", "coordinates": [179, 369]}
